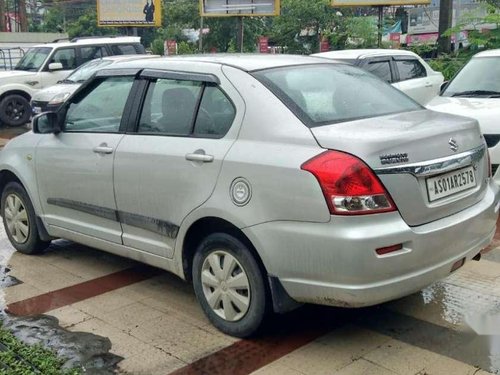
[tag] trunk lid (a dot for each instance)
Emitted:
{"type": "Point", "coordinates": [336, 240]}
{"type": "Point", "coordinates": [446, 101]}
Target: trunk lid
{"type": "Point", "coordinates": [413, 154]}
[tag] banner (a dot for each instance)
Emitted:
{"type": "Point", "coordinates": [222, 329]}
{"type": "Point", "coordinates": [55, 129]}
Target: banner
{"type": "Point", "coordinates": [239, 8]}
{"type": "Point", "coordinates": [135, 13]}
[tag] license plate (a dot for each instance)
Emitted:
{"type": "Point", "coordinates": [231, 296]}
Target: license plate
{"type": "Point", "coordinates": [37, 109]}
{"type": "Point", "coordinates": [450, 183]}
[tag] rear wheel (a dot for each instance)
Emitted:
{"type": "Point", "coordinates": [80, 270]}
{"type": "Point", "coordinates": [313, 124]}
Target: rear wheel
{"type": "Point", "coordinates": [229, 285]}
{"type": "Point", "coordinates": [15, 110]}
{"type": "Point", "coordinates": [19, 220]}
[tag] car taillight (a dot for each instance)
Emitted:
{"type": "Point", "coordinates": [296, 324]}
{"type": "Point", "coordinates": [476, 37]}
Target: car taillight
{"type": "Point", "coordinates": [349, 185]}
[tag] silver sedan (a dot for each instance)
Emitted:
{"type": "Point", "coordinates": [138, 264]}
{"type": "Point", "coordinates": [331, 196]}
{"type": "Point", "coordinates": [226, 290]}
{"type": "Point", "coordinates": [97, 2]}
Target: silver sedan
{"type": "Point", "coordinates": [267, 181]}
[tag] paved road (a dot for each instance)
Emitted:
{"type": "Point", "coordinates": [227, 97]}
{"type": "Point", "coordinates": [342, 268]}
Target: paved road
{"type": "Point", "coordinates": [155, 324]}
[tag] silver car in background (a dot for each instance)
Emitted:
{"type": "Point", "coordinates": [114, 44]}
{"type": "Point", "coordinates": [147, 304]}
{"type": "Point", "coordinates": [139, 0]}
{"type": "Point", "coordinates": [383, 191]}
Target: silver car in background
{"type": "Point", "coordinates": [267, 181]}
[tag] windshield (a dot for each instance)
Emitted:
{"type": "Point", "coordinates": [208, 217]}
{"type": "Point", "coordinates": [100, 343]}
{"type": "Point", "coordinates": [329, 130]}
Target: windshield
{"type": "Point", "coordinates": [479, 78]}
{"type": "Point", "coordinates": [84, 72]}
{"type": "Point", "coordinates": [33, 59]}
{"type": "Point", "coordinates": [322, 94]}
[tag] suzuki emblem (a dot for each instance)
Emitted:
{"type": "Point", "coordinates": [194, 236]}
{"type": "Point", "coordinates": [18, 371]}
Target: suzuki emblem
{"type": "Point", "coordinates": [453, 145]}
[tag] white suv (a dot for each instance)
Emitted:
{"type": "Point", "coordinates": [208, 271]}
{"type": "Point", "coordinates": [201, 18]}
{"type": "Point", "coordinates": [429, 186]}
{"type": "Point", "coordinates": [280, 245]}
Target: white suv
{"type": "Point", "coordinates": [43, 65]}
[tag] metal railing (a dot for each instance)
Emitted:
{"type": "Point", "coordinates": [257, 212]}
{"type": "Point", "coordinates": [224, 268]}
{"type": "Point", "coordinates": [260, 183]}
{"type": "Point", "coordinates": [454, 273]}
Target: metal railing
{"type": "Point", "coordinates": [9, 57]}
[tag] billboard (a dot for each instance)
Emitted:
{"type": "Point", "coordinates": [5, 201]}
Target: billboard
{"type": "Point", "coordinates": [135, 13]}
{"type": "Point", "coordinates": [241, 8]}
{"type": "Point", "coordinates": [426, 20]}
{"type": "Point", "coordinates": [362, 3]}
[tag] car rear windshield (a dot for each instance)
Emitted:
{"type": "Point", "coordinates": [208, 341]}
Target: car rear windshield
{"type": "Point", "coordinates": [322, 94]}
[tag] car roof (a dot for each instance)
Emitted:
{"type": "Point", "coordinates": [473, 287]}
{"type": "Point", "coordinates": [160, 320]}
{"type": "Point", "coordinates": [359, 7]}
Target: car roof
{"type": "Point", "coordinates": [124, 58]}
{"type": "Point", "coordinates": [360, 53]}
{"type": "Point", "coordinates": [97, 41]}
{"type": "Point", "coordinates": [246, 62]}
{"type": "Point", "coordinates": [488, 53]}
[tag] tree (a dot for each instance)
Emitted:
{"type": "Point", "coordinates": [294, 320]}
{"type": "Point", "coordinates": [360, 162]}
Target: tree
{"type": "Point", "coordinates": [2, 13]}
{"type": "Point", "coordinates": [86, 25]}
{"type": "Point", "coordinates": [301, 23]}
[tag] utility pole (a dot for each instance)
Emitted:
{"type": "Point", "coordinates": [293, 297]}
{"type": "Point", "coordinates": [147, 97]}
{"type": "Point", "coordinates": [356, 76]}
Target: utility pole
{"type": "Point", "coordinates": [445, 16]}
{"type": "Point", "coordinates": [200, 36]}
{"type": "Point", "coordinates": [241, 29]}
{"type": "Point", "coordinates": [380, 25]}
{"type": "Point", "coordinates": [22, 15]}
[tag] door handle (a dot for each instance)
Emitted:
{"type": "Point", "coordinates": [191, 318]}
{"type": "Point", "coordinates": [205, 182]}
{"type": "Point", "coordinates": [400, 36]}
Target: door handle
{"type": "Point", "coordinates": [103, 149]}
{"type": "Point", "coordinates": [200, 157]}
{"type": "Point", "coordinates": [428, 84]}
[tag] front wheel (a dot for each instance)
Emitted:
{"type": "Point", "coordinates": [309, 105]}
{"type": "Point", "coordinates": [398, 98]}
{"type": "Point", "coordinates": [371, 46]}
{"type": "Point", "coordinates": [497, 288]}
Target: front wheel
{"type": "Point", "coordinates": [19, 220]}
{"type": "Point", "coordinates": [15, 110]}
{"type": "Point", "coordinates": [229, 285]}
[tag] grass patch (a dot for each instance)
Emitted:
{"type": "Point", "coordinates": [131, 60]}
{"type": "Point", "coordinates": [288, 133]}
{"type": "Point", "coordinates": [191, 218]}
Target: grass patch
{"type": "Point", "coordinates": [17, 358]}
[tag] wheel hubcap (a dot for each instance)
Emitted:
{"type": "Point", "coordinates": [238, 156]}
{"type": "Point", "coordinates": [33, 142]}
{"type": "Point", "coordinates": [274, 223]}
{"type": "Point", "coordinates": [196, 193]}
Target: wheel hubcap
{"type": "Point", "coordinates": [225, 285]}
{"type": "Point", "coordinates": [16, 217]}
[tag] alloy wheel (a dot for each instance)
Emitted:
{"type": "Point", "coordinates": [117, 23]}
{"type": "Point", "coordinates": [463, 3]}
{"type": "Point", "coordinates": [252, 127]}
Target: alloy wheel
{"type": "Point", "coordinates": [15, 110]}
{"type": "Point", "coordinates": [225, 285]}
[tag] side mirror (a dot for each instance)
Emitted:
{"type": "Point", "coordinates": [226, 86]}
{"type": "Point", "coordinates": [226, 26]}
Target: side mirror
{"type": "Point", "coordinates": [443, 86]}
{"type": "Point", "coordinates": [55, 66]}
{"type": "Point", "coordinates": [46, 123]}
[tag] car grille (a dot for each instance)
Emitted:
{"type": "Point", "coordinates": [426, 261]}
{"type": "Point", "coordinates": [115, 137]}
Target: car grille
{"type": "Point", "coordinates": [492, 139]}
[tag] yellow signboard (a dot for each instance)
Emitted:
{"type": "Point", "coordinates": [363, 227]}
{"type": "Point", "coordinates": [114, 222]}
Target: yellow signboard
{"type": "Point", "coordinates": [135, 13]}
{"type": "Point", "coordinates": [239, 8]}
{"type": "Point", "coordinates": [362, 3]}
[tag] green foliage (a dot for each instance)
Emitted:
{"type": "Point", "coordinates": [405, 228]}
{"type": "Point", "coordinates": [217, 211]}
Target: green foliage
{"type": "Point", "coordinates": [86, 25]}
{"type": "Point", "coordinates": [18, 358]}
{"type": "Point", "coordinates": [476, 37]}
{"type": "Point", "coordinates": [448, 65]}
{"type": "Point", "coordinates": [300, 24]}
{"type": "Point", "coordinates": [157, 47]}
{"type": "Point", "coordinates": [185, 48]}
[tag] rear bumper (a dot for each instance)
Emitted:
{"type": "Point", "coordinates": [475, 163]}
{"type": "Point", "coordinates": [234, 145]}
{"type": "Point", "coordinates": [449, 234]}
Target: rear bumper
{"type": "Point", "coordinates": [336, 264]}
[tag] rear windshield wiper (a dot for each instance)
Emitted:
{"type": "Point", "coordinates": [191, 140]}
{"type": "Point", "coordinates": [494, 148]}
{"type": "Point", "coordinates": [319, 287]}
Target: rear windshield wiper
{"type": "Point", "coordinates": [66, 81]}
{"type": "Point", "coordinates": [478, 93]}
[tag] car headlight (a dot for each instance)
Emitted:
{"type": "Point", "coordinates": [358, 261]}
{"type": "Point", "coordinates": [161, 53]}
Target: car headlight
{"type": "Point", "coordinates": [59, 98]}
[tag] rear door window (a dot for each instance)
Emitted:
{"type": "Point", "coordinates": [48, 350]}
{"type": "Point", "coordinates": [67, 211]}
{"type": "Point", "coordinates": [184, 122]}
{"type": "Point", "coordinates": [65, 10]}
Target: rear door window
{"type": "Point", "coordinates": [124, 49]}
{"type": "Point", "coordinates": [186, 108]}
{"type": "Point", "coordinates": [381, 68]}
{"type": "Point", "coordinates": [170, 107]}
{"type": "Point", "coordinates": [91, 53]}
{"type": "Point", "coordinates": [410, 69]}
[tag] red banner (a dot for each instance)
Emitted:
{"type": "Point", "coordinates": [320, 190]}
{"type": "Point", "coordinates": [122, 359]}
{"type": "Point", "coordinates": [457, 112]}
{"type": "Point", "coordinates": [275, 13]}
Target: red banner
{"type": "Point", "coordinates": [170, 47]}
{"type": "Point", "coordinates": [263, 44]}
{"type": "Point", "coordinates": [324, 45]}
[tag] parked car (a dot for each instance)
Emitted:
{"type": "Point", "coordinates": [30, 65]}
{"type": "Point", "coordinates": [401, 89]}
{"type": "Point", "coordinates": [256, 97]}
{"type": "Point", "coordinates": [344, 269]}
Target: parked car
{"type": "Point", "coordinates": [50, 98]}
{"type": "Point", "coordinates": [475, 92]}
{"type": "Point", "coordinates": [405, 70]}
{"type": "Point", "coordinates": [267, 181]}
{"type": "Point", "coordinates": [43, 65]}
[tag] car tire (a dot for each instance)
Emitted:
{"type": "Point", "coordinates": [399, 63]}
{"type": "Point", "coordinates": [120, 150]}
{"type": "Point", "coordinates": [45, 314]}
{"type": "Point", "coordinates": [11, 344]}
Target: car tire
{"type": "Point", "coordinates": [15, 110]}
{"type": "Point", "coordinates": [234, 296]}
{"type": "Point", "coordinates": [19, 220]}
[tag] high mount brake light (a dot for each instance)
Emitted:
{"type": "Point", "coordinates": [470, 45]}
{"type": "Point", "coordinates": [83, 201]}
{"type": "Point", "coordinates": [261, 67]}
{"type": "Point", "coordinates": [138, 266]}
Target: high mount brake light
{"type": "Point", "coordinates": [349, 185]}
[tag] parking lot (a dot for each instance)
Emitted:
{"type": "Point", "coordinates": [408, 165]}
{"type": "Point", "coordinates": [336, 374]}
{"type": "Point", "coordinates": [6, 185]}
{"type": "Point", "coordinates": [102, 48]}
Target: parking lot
{"type": "Point", "coordinates": [156, 326]}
